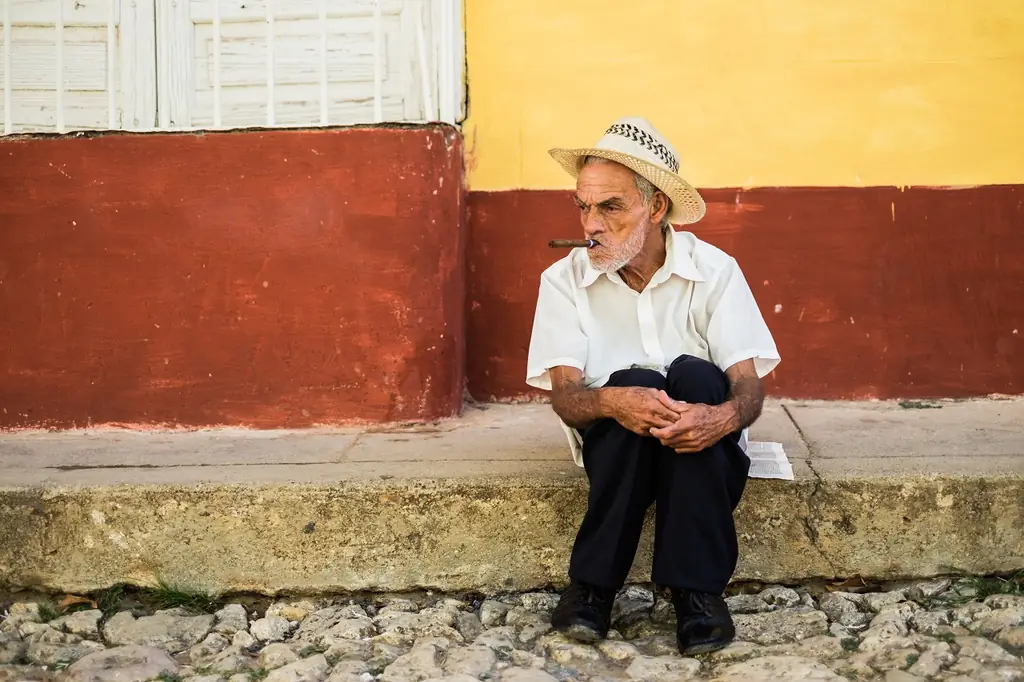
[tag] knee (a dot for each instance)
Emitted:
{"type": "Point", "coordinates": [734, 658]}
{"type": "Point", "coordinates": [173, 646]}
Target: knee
{"type": "Point", "coordinates": [637, 376]}
{"type": "Point", "coordinates": [694, 380]}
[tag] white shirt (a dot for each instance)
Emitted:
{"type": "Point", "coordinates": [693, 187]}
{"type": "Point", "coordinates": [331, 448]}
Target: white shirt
{"type": "Point", "coordinates": [697, 303]}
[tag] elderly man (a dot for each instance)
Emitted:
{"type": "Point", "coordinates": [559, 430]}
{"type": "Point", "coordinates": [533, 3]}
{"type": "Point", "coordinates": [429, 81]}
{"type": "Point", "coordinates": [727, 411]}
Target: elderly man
{"type": "Point", "coordinates": [653, 349]}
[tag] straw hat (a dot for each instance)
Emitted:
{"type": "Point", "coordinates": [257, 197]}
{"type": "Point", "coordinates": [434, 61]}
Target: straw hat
{"type": "Point", "coordinates": [635, 143]}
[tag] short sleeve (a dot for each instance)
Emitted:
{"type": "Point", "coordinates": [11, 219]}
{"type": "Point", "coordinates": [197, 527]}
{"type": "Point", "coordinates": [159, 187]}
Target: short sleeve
{"type": "Point", "coordinates": [736, 329]}
{"type": "Point", "coordinates": [557, 337]}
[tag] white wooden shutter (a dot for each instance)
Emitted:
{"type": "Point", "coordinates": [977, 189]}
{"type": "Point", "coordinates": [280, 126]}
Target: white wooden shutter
{"type": "Point", "coordinates": [102, 51]}
{"type": "Point", "coordinates": [356, 83]}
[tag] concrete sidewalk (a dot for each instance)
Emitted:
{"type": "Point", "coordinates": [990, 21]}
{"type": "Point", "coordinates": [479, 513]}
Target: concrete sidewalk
{"type": "Point", "coordinates": [491, 500]}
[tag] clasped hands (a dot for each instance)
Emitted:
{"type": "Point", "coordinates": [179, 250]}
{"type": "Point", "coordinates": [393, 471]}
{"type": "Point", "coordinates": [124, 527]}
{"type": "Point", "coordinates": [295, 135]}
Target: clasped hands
{"type": "Point", "coordinates": [684, 427]}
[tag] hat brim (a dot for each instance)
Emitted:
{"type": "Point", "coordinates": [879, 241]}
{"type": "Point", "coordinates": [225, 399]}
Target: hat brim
{"type": "Point", "coordinates": [687, 205]}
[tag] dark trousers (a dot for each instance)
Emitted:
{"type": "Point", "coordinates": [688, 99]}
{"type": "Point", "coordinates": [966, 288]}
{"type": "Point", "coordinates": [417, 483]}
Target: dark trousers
{"type": "Point", "coordinates": [695, 494]}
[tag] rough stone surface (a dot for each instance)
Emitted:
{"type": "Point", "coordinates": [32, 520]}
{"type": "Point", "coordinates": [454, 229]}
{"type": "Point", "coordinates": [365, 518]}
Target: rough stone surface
{"type": "Point", "coordinates": [351, 671]}
{"type": "Point", "coordinates": [781, 597]}
{"type": "Point", "coordinates": [876, 601]}
{"type": "Point", "coordinates": [777, 668]}
{"type": "Point", "coordinates": [270, 629]}
{"type": "Point", "coordinates": [132, 663]}
{"type": "Point", "coordinates": [927, 589]}
{"type": "Point", "coordinates": [208, 649]}
{"type": "Point", "coordinates": [1012, 639]}
{"type": "Point", "coordinates": [277, 655]}
{"type": "Point", "coordinates": [231, 619]}
{"type": "Point", "coordinates": [12, 649]}
{"type": "Point", "coordinates": [994, 622]}
{"type": "Point", "coordinates": [492, 613]}
{"type": "Point", "coordinates": [789, 634]}
{"type": "Point", "coordinates": [292, 610]}
{"type": "Point", "coordinates": [861, 507]}
{"type": "Point", "coordinates": [313, 669]}
{"type": "Point", "coordinates": [61, 654]}
{"type": "Point", "coordinates": [475, 661]}
{"type": "Point", "coordinates": [844, 608]}
{"type": "Point", "coordinates": [539, 602]}
{"type": "Point", "coordinates": [82, 623]}
{"type": "Point", "coordinates": [662, 669]}
{"type": "Point", "coordinates": [525, 675]}
{"type": "Point", "coordinates": [172, 630]}
{"type": "Point", "coordinates": [19, 613]}
{"type": "Point", "coordinates": [777, 627]}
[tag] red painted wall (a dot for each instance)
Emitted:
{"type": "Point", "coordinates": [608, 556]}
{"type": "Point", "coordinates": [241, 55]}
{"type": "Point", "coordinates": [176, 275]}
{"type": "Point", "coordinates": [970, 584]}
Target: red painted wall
{"type": "Point", "coordinates": [289, 278]}
{"type": "Point", "coordinates": [264, 279]}
{"type": "Point", "coordinates": [883, 292]}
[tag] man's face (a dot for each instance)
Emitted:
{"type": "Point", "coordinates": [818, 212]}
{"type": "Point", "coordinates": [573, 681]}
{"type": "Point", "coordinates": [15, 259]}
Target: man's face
{"type": "Point", "coordinates": [613, 213]}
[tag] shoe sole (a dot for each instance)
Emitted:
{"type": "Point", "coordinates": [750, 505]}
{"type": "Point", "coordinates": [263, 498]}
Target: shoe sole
{"type": "Point", "coordinates": [581, 633]}
{"type": "Point", "coordinates": [703, 649]}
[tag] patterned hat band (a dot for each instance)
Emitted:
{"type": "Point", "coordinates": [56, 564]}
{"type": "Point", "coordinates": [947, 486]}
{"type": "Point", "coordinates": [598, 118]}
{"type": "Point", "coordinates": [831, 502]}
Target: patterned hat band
{"type": "Point", "coordinates": [645, 140]}
{"type": "Point", "coordinates": [633, 142]}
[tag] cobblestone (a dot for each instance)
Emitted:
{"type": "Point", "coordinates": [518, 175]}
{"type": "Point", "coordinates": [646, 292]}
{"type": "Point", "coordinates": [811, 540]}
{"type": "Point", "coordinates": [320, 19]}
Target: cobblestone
{"type": "Point", "coordinates": [935, 631]}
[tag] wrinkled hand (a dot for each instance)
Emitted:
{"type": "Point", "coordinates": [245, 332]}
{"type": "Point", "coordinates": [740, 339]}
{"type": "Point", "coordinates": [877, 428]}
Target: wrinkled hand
{"type": "Point", "coordinates": [697, 428]}
{"type": "Point", "coordinates": [641, 410]}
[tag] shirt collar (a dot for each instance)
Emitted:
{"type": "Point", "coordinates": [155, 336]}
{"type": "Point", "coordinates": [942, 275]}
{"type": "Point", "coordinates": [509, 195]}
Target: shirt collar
{"type": "Point", "coordinates": [677, 262]}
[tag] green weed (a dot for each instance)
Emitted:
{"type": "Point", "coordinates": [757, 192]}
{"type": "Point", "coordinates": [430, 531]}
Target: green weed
{"type": "Point", "coordinates": [47, 612]}
{"type": "Point", "coordinates": [109, 600]}
{"type": "Point", "coordinates": [919, 405]}
{"type": "Point", "coordinates": [165, 676]}
{"type": "Point", "coordinates": [258, 674]}
{"type": "Point", "coordinates": [166, 596]}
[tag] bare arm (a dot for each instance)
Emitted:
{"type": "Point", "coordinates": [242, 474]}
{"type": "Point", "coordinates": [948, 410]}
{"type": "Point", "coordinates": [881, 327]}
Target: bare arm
{"type": "Point", "coordinates": [746, 396]}
{"type": "Point", "coordinates": [636, 408]}
{"type": "Point", "coordinates": [574, 403]}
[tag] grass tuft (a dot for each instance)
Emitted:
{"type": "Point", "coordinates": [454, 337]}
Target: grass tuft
{"type": "Point", "coordinates": [47, 612]}
{"type": "Point", "coordinates": [165, 676]}
{"type": "Point", "coordinates": [919, 405]}
{"type": "Point", "coordinates": [258, 674]}
{"type": "Point", "coordinates": [311, 650]}
{"type": "Point", "coordinates": [109, 600]}
{"type": "Point", "coordinates": [166, 596]}
{"type": "Point", "coordinates": [978, 589]}
{"type": "Point", "coordinates": [850, 644]}
{"type": "Point", "coordinates": [986, 587]}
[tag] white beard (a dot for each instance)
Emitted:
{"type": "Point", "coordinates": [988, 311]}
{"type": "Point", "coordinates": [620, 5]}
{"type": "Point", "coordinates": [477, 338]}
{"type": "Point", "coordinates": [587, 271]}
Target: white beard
{"type": "Point", "coordinates": [623, 253]}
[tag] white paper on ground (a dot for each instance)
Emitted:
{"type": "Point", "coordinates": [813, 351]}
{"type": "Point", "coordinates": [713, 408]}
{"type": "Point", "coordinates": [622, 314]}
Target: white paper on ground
{"type": "Point", "coordinates": [768, 460]}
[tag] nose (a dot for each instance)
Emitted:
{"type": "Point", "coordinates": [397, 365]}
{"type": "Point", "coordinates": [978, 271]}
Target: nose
{"type": "Point", "coordinates": [592, 224]}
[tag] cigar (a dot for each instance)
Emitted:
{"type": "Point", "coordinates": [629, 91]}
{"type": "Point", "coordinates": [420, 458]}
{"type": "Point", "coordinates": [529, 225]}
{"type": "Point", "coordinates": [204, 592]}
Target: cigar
{"type": "Point", "coordinates": [572, 243]}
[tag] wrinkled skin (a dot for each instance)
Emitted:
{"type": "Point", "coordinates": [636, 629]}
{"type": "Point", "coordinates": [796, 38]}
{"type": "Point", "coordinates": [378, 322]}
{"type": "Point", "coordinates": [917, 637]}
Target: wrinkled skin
{"type": "Point", "coordinates": [613, 213]}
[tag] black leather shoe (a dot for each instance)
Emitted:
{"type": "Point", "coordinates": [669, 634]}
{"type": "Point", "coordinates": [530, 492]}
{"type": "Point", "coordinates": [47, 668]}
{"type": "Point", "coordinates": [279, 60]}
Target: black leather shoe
{"type": "Point", "coordinates": [703, 623]}
{"type": "Point", "coordinates": [584, 612]}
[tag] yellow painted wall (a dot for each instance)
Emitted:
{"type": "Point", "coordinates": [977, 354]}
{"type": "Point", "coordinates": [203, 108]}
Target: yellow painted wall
{"type": "Point", "coordinates": [753, 92]}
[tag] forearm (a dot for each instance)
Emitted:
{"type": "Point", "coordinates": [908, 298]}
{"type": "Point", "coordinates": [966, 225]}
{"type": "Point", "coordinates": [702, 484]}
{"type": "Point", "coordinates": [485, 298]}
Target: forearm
{"type": "Point", "coordinates": [579, 406]}
{"type": "Point", "coordinates": [746, 399]}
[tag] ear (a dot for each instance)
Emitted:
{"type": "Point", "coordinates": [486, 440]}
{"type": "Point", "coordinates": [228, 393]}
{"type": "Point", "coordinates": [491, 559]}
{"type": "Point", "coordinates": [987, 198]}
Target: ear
{"type": "Point", "coordinates": [659, 207]}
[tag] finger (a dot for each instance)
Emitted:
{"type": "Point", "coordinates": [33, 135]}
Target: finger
{"type": "Point", "coordinates": [669, 402]}
{"type": "Point", "coordinates": [660, 423]}
{"type": "Point", "coordinates": [664, 411]}
{"type": "Point", "coordinates": [692, 444]}
{"type": "Point", "coordinates": [671, 430]}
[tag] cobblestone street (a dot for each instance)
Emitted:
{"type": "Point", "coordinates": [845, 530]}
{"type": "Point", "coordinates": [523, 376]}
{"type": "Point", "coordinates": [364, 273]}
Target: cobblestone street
{"type": "Point", "coordinates": [935, 630]}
